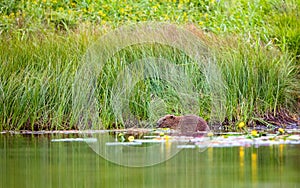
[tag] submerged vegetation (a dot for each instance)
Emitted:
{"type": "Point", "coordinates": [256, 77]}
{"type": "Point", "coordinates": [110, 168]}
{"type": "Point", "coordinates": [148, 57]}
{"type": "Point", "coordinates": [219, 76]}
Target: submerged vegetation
{"type": "Point", "coordinates": [256, 46]}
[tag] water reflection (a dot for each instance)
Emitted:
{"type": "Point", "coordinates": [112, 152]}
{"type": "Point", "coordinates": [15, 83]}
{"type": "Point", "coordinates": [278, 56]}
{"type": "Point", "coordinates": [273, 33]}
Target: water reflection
{"type": "Point", "coordinates": [242, 162]}
{"type": "Point", "coordinates": [35, 161]}
{"type": "Point", "coordinates": [254, 167]}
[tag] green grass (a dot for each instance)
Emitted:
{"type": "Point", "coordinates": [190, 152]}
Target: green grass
{"type": "Point", "coordinates": [258, 80]}
{"type": "Point", "coordinates": [256, 46]}
{"type": "Point", "coordinates": [36, 81]}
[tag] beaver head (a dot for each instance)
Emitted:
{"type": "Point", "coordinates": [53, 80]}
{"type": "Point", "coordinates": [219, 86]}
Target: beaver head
{"type": "Point", "coordinates": [168, 121]}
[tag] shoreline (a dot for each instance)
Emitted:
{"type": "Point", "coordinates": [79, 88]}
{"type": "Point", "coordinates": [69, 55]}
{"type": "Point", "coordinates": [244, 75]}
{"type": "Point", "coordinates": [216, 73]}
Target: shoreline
{"type": "Point", "coordinates": [66, 132]}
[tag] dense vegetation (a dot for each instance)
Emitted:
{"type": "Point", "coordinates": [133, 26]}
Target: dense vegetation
{"type": "Point", "coordinates": [256, 46]}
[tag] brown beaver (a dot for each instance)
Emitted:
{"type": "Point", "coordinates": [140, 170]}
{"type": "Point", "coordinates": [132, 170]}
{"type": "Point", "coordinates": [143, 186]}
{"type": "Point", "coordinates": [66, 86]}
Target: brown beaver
{"type": "Point", "coordinates": [187, 125]}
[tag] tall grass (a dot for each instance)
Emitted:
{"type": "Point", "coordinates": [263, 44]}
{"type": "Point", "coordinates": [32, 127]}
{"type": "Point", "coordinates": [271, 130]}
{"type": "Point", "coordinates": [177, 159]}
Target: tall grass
{"type": "Point", "coordinates": [258, 80]}
{"type": "Point", "coordinates": [36, 80]}
{"type": "Point", "coordinates": [256, 46]}
{"type": "Point", "coordinates": [161, 80]}
{"type": "Point", "coordinates": [37, 77]}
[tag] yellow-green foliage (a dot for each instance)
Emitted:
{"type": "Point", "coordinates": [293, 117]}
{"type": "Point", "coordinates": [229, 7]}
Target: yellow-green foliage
{"type": "Point", "coordinates": [42, 42]}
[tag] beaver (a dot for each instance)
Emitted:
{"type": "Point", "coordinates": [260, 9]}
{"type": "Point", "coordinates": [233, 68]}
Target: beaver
{"type": "Point", "coordinates": [186, 125]}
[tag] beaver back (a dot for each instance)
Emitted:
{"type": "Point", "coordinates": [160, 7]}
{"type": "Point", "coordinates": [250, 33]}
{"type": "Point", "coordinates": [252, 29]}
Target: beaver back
{"type": "Point", "coordinates": [187, 125]}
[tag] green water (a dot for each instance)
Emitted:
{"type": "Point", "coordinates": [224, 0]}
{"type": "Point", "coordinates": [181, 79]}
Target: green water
{"type": "Point", "coordinates": [35, 161]}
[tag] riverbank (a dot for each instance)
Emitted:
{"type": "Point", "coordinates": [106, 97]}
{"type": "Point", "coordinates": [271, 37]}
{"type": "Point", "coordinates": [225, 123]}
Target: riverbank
{"type": "Point", "coordinates": [255, 46]}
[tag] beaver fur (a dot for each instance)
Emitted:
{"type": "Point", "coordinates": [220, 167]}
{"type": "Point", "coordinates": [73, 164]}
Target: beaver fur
{"type": "Point", "coordinates": [186, 125]}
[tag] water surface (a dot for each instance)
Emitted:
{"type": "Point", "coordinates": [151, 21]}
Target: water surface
{"type": "Point", "coordinates": [35, 161]}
